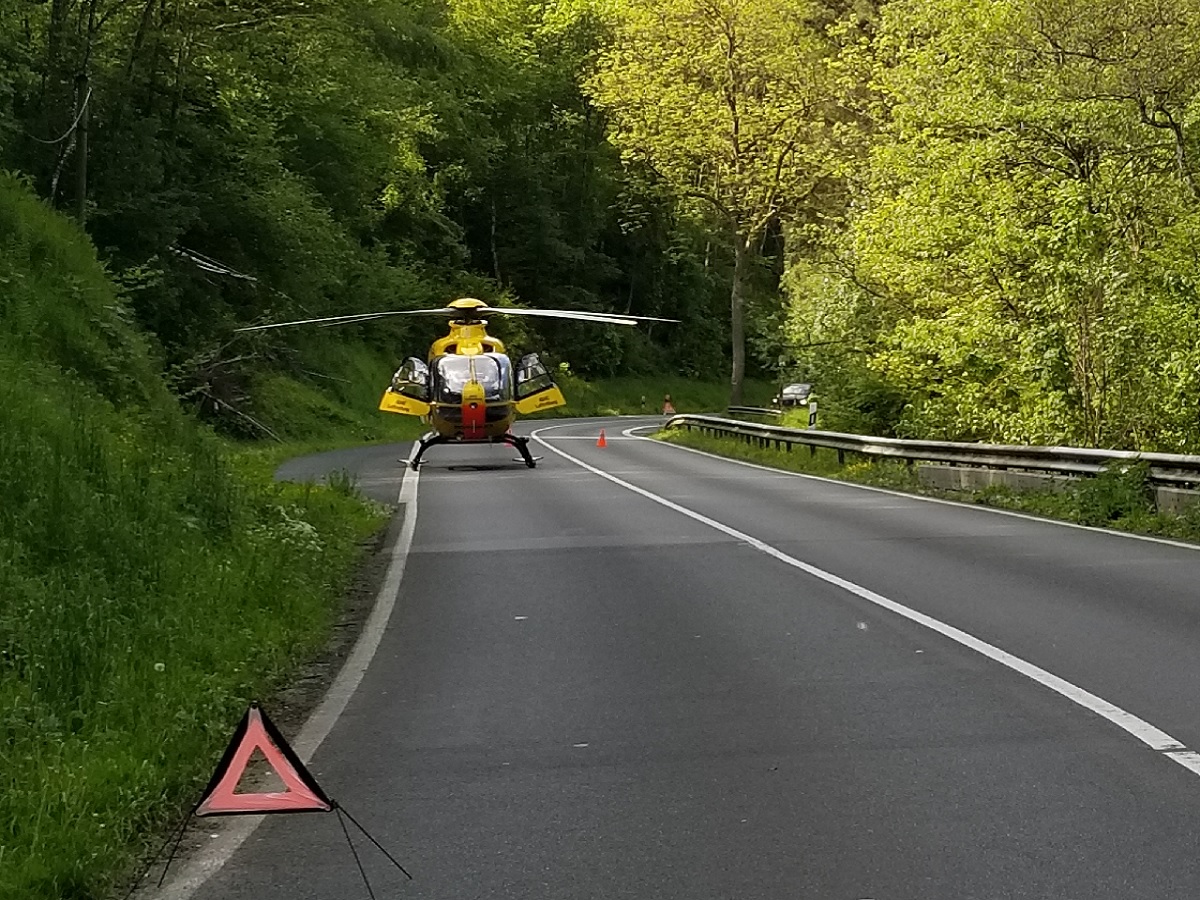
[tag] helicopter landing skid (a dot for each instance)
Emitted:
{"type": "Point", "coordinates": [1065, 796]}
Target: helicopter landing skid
{"type": "Point", "coordinates": [519, 442]}
{"type": "Point", "coordinates": [522, 445]}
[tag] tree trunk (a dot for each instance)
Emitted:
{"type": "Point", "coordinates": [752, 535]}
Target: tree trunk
{"type": "Point", "coordinates": [495, 250]}
{"type": "Point", "coordinates": [139, 38]}
{"type": "Point", "coordinates": [737, 314]}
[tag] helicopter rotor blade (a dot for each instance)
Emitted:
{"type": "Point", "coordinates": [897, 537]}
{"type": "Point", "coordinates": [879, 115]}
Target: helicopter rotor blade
{"type": "Point", "coordinates": [468, 314]}
{"type": "Point", "coordinates": [587, 314]}
{"type": "Point", "coordinates": [327, 321]}
{"type": "Point", "coordinates": [580, 315]}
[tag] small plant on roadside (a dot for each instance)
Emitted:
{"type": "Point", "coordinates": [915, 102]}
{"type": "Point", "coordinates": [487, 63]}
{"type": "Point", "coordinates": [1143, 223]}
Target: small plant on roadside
{"type": "Point", "coordinates": [1120, 492]}
{"type": "Point", "coordinates": [343, 482]}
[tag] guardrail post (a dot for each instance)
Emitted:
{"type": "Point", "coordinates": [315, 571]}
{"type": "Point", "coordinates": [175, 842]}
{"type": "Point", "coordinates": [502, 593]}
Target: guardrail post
{"type": "Point", "coordinates": [841, 457]}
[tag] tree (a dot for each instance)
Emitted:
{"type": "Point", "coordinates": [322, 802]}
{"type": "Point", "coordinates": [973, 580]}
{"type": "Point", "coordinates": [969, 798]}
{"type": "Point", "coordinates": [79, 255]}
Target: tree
{"type": "Point", "coordinates": [724, 100]}
{"type": "Point", "coordinates": [1017, 259]}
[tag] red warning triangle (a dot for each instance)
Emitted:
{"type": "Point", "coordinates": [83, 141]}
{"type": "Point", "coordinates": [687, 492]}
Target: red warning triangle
{"type": "Point", "coordinates": [257, 732]}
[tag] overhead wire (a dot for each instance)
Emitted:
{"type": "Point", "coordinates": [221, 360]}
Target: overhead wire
{"type": "Point", "coordinates": [74, 125]}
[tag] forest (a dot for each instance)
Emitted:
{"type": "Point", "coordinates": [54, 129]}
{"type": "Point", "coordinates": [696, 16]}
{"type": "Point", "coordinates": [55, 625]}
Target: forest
{"type": "Point", "coordinates": [959, 219]}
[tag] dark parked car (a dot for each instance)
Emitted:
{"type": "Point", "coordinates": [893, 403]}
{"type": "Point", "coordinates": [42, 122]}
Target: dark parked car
{"type": "Point", "coordinates": [793, 395]}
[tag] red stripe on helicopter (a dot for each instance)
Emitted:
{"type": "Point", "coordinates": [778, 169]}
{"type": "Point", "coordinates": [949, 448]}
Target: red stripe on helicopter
{"type": "Point", "coordinates": [474, 418]}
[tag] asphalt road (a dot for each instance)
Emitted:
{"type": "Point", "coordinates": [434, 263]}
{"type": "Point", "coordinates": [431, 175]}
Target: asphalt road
{"type": "Point", "coordinates": [584, 693]}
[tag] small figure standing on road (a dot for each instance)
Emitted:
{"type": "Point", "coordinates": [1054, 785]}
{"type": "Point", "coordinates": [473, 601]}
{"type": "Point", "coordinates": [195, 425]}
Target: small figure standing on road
{"type": "Point", "coordinates": [668, 408]}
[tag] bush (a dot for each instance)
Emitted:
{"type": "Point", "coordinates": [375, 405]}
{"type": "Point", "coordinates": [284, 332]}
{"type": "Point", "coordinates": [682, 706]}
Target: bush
{"type": "Point", "coordinates": [1121, 492]}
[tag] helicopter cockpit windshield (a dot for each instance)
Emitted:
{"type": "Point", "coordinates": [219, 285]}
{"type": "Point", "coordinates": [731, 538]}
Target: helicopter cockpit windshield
{"type": "Point", "coordinates": [492, 371]}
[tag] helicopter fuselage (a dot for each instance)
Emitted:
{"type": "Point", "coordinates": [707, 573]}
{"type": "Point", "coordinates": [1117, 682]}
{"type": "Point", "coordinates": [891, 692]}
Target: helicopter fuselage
{"type": "Point", "coordinates": [468, 391]}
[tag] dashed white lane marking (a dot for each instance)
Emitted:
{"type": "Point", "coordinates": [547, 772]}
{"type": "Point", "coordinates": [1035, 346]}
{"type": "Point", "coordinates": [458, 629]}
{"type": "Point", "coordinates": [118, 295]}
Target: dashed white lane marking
{"type": "Point", "coordinates": [520, 618]}
{"type": "Point", "coordinates": [1148, 734]}
{"type": "Point", "coordinates": [209, 861]}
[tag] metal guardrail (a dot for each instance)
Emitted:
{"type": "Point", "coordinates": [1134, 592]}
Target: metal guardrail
{"type": "Point", "coordinates": [1165, 468]}
{"type": "Point", "coordinates": [755, 411]}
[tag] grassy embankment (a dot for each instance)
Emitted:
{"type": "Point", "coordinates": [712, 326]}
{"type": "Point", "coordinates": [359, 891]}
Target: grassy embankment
{"type": "Point", "coordinates": [149, 586]}
{"type": "Point", "coordinates": [1120, 498]}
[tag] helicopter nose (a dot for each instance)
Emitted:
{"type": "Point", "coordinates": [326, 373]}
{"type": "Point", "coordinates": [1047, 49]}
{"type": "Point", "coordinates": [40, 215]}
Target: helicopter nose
{"type": "Point", "coordinates": [474, 417]}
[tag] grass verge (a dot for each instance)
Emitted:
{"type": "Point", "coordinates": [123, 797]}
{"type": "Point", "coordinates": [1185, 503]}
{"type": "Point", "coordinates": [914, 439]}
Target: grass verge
{"type": "Point", "coordinates": [152, 580]}
{"type": "Point", "coordinates": [1120, 498]}
{"type": "Point", "coordinates": [645, 395]}
{"type": "Point", "coordinates": [150, 588]}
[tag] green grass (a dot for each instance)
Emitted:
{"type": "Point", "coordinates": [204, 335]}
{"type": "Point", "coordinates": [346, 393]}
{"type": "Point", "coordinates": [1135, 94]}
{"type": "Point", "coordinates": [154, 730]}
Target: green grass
{"type": "Point", "coordinates": [149, 589]}
{"type": "Point", "coordinates": [624, 396]}
{"type": "Point", "coordinates": [336, 397]}
{"type": "Point", "coordinates": [151, 579]}
{"type": "Point", "coordinates": [1120, 498]}
{"type": "Point", "coordinates": [822, 462]}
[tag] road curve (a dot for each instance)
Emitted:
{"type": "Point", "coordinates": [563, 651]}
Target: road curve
{"type": "Point", "coordinates": [585, 693]}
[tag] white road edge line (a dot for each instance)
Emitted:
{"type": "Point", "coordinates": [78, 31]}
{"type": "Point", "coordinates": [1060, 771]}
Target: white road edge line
{"type": "Point", "coordinates": [1152, 737]}
{"type": "Point", "coordinates": [208, 861]}
{"type": "Point", "coordinates": [1013, 513]}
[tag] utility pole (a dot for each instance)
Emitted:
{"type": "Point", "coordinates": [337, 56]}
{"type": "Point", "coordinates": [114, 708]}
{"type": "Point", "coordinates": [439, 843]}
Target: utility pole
{"type": "Point", "coordinates": [81, 149]}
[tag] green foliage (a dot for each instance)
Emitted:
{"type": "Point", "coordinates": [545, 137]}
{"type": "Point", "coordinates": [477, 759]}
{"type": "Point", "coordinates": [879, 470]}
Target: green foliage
{"type": "Point", "coordinates": [725, 90]}
{"type": "Point", "coordinates": [988, 211]}
{"type": "Point", "coordinates": [1122, 492]}
{"type": "Point", "coordinates": [1119, 497]}
{"type": "Point", "coordinates": [250, 162]}
{"type": "Point", "coordinates": [724, 101]}
{"type": "Point", "coordinates": [85, 330]}
{"type": "Point", "coordinates": [1014, 257]}
{"type": "Point", "coordinates": [148, 588]}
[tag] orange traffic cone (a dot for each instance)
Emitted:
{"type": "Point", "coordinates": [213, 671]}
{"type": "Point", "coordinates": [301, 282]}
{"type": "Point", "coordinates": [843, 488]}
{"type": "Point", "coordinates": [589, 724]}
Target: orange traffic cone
{"type": "Point", "coordinates": [602, 442]}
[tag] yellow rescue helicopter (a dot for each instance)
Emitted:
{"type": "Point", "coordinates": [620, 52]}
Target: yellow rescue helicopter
{"type": "Point", "coordinates": [468, 391]}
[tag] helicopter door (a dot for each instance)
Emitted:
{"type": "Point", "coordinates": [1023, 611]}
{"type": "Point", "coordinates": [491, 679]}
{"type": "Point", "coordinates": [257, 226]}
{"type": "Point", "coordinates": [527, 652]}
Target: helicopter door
{"type": "Point", "coordinates": [408, 394]}
{"type": "Point", "coordinates": [412, 379]}
{"type": "Point", "coordinates": [535, 389]}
